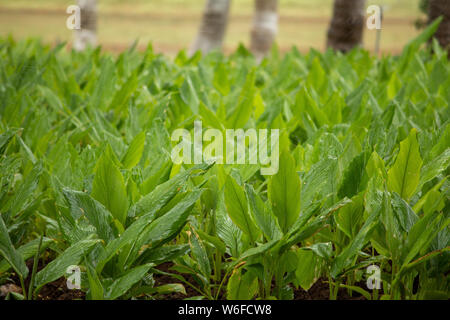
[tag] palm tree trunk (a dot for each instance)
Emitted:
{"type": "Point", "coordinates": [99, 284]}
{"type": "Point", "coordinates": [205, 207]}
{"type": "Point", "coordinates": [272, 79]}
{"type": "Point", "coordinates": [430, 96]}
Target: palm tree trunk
{"type": "Point", "coordinates": [347, 24]}
{"type": "Point", "coordinates": [213, 27]}
{"type": "Point", "coordinates": [265, 27]}
{"type": "Point", "coordinates": [87, 34]}
{"type": "Point", "coordinates": [437, 8]}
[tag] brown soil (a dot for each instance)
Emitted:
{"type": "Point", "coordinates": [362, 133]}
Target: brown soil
{"type": "Point", "coordinates": [321, 291]}
{"type": "Point", "coordinates": [56, 290]}
{"type": "Point", "coordinates": [161, 279]}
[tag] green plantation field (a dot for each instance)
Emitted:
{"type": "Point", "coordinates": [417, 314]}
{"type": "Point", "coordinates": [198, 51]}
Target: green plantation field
{"type": "Point", "coordinates": [358, 204]}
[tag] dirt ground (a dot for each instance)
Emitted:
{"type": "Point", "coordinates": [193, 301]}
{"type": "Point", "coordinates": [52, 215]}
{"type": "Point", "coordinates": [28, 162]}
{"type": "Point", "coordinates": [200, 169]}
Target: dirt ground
{"type": "Point", "coordinates": [57, 290]}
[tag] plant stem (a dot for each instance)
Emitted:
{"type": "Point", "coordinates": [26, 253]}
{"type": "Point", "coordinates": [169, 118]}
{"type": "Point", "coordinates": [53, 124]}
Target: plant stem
{"type": "Point", "coordinates": [35, 265]}
{"type": "Point", "coordinates": [24, 291]}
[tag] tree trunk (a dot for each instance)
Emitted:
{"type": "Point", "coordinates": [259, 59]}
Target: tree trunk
{"type": "Point", "coordinates": [213, 27]}
{"type": "Point", "coordinates": [87, 34]}
{"type": "Point", "coordinates": [437, 8]}
{"type": "Point", "coordinates": [347, 24]}
{"type": "Point", "coordinates": [265, 27]}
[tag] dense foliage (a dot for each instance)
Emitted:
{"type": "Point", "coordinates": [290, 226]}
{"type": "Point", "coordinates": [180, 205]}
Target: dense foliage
{"type": "Point", "coordinates": [87, 178]}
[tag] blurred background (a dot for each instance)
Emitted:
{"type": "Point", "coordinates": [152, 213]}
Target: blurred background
{"type": "Point", "coordinates": [172, 25]}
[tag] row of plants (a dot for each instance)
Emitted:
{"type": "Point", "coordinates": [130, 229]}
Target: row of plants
{"type": "Point", "coordinates": [87, 178]}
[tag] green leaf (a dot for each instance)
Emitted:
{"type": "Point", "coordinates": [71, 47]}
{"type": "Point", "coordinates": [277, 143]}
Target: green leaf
{"type": "Point", "coordinates": [264, 218]}
{"type": "Point", "coordinates": [104, 84]}
{"type": "Point", "coordinates": [255, 251]}
{"type": "Point", "coordinates": [242, 286]}
{"type": "Point", "coordinates": [226, 230]}
{"type": "Point", "coordinates": [57, 268]}
{"type": "Point", "coordinates": [237, 208]}
{"type": "Point", "coordinates": [5, 138]}
{"type": "Point", "coordinates": [129, 86]}
{"type": "Point", "coordinates": [212, 241]}
{"type": "Point", "coordinates": [164, 289]}
{"type": "Point", "coordinates": [164, 253]}
{"type": "Point", "coordinates": [164, 192]}
{"type": "Point", "coordinates": [220, 81]}
{"type": "Point", "coordinates": [308, 269]}
{"type": "Point", "coordinates": [82, 204]}
{"type": "Point", "coordinates": [284, 192]}
{"type": "Point", "coordinates": [244, 107]}
{"type": "Point", "coordinates": [434, 167]}
{"type": "Point", "coordinates": [350, 217]}
{"type": "Point", "coordinates": [134, 152]}
{"type": "Point", "coordinates": [26, 251]}
{"type": "Point", "coordinates": [189, 95]}
{"type": "Point", "coordinates": [8, 251]}
{"type": "Point", "coordinates": [95, 285]}
{"type": "Point", "coordinates": [109, 188]}
{"type": "Point", "coordinates": [167, 226]}
{"type": "Point", "coordinates": [344, 259]}
{"type": "Point", "coordinates": [353, 176]}
{"type": "Point", "coordinates": [121, 285]}
{"type": "Point", "coordinates": [361, 291]}
{"type": "Point", "coordinates": [199, 253]}
{"type": "Point", "coordinates": [24, 194]}
{"type": "Point", "coordinates": [150, 204]}
{"type": "Point", "coordinates": [404, 214]}
{"type": "Point", "coordinates": [421, 235]}
{"type": "Point", "coordinates": [404, 175]}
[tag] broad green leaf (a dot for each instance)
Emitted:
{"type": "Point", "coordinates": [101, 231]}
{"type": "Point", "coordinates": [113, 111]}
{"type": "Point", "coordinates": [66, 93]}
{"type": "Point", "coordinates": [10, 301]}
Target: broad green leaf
{"type": "Point", "coordinates": [82, 204]}
{"type": "Point", "coordinates": [404, 214]}
{"type": "Point", "coordinates": [109, 188]}
{"type": "Point", "coordinates": [242, 286]}
{"type": "Point", "coordinates": [434, 167]}
{"type": "Point", "coordinates": [353, 176]}
{"type": "Point", "coordinates": [421, 235]}
{"type": "Point", "coordinates": [57, 268]}
{"type": "Point", "coordinates": [226, 230]}
{"type": "Point", "coordinates": [121, 285]}
{"type": "Point", "coordinates": [5, 138]}
{"type": "Point", "coordinates": [8, 251]}
{"type": "Point", "coordinates": [199, 253]}
{"type": "Point", "coordinates": [237, 208]}
{"type": "Point", "coordinates": [162, 194]}
{"type": "Point", "coordinates": [344, 259]}
{"type": "Point", "coordinates": [26, 251]}
{"type": "Point", "coordinates": [147, 209]}
{"type": "Point", "coordinates": [189, 94]}
{"type": "Point", "coordinates": [220, 81]}
{"type": "Point", "coordinates": [164, 253]}
{"type": "Point", "coordinates": [264, 218]}
{"type": "Point", "coordinates": [244, 107]}
{"type": "Point", "coordinates": [212, 241]}
{"type": "Point", "coordinates": [404, 175]}
{"type": "Point", "coordinates": [24, 194]}
{"type": "Point", "coordinates": [167, 226]}
{"type": "Point", "coordinates": [308, 270]}
{"type": "Point", "coordinates": [134, 152]}
{"type": "Point", "coordinates": [361, 291]}
{"type": "Point", "coordinates": [350, 217]}
{"type": "Point", "coordinates": [95, 285]}
{"type": "Point", "coordinates": [284, 192]}
{"type": "Point", "coordinates": [129, 86]}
